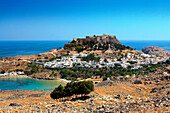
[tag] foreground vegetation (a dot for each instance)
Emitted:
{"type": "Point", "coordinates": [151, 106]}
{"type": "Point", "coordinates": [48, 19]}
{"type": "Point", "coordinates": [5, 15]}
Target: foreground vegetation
{"type": "Point", "coordinates": [73, 88]}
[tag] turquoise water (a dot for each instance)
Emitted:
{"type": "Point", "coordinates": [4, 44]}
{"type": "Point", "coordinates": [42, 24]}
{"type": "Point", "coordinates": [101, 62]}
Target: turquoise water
{"type": "Point", "coordinates": [13, 48]}
{"type": "Point", "coordinates": [28, 84]}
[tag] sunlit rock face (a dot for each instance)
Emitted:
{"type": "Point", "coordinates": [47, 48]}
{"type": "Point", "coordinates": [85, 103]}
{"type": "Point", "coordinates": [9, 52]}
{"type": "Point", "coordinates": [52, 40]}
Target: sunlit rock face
{"type": "Point", "coordinates": [155, 50]}
{"type": "Point", "coordinates": [91, 41]}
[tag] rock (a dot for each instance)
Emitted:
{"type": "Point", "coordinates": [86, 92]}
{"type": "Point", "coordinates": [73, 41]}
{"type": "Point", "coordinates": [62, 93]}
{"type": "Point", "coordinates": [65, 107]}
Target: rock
{"type": "Point", "coordinates": [166, 105]}
{"type": "Point", "coordinates": [154, 90]}
{"type": "Point", "coordinates": [35, 95]}
{"type": "Point", "coordinates": [14, 104]}
{"type": "Point", "coordinates": [105, 83]}
{"type": "Point", "coordinates": [80, 101]}
{"type": "Point", "coordinates": [53, 105]}
{"type": "Point", "coordinates": [137, 82]}
{"type": "Point", "coordinates": [118, 96]}
{"type": "Point", "coordinates": [145, 83]}
{"type": "Point", "coordinates": [155, 50]}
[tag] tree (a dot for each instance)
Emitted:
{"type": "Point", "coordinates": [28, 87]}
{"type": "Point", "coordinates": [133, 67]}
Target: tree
{"type": "Point", "coordinates": [55, 74]}
{"type": "Point", "coordinates": [125, 54]}
{"type": "Point", "coordinates": [2, 71]}
{"type": "Point", "coordinates": [76, 87]}
{"type": "Point", "coordinates": [34, 69]}
{"type": "Point", "coordinates": [57, 92]}
{"type": "Point", "coordinates": [90, 85]}
{"type": "Point", "coordinates": [105, 60]}
{"type": "Point", "coordinates": [168, 61]}
{"type": "Point", "coordinates": [104, 78]}
{"type": "Point", "coordinates": [69, 91]}
{"type": "Point", "coordinates": [84, 87]}
{"type": "Point", "coordinates": [68, 52]}
{"type": "Point", "coordinates": [98, 59]}
{"type": "Point", "coordinates": [117, 65]}
{"type": "Point", "coordinates": [119, 59]}
{"type": "Point", "coordinates": [79, 49]}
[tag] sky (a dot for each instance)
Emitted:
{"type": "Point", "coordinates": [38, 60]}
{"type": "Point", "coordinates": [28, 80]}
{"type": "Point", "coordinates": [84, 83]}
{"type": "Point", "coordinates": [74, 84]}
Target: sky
{"type": "Point", "coordinates": [68, 19]}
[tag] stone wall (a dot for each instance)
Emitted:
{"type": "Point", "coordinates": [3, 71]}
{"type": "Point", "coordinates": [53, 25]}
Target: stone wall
{"type": "Point", "coordinates": [94, 39]}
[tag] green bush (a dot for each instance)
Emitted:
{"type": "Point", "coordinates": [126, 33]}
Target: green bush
{"type": "Point", "coordinates": [57, 92]}
{"type": "Point", "coordinates": [83, 87]}
{"type": "Point", "coordinates": [104, 78]}
{"type": "Point", "coordinates": [91, 57]}
{"type": "Point", "coordinates": [55, 74]}
{"type": "Point", "coordinates": [2, 72]}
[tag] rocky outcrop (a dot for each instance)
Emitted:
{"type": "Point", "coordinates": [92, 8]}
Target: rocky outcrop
{"type": "Point", "coordinates": [155, 50]}
{"type": "Point", "coordinates": [14, 104]}
{"type": "Point", "coordinates": [91, 41]}
{"type": "Point", "coordinates": [105, 83]}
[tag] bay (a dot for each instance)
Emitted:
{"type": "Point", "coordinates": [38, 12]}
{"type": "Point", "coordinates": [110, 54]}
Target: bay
{"type": "Point", "coordinates": [28, 84]}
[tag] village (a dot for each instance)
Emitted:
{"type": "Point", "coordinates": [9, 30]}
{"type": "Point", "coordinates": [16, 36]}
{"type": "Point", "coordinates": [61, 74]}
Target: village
{"type": "Point", "coordinates": [129, 60]}
{"type": "Point", "coordinates": [132, 61]}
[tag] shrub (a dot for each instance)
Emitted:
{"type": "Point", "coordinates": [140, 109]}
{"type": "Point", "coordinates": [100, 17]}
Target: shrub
{"type": "Point", "coordinates": [57, 92]}
{"type": "Point", "coordinates": [2, 71]}
{"type": "Point", "coordinates": [104, 78]}
{"type": "Point", "coordinates": [55, 74]}
{"type": "Point", "coordinates": [83, 87]}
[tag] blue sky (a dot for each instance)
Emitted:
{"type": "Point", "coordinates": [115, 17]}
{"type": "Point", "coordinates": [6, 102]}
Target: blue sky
{"type": "Point", "coordinates": [65, 19]}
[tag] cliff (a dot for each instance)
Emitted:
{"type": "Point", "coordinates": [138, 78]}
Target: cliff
{"type": "Point", "coordinates": [155, 50]}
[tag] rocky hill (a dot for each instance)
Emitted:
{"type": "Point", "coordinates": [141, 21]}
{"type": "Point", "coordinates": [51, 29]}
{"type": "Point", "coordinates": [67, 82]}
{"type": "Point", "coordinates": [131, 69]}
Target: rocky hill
{"type": "Point", "coordinates": [104, 42]}
{"type": "Point", "coordinates": [155, 50]}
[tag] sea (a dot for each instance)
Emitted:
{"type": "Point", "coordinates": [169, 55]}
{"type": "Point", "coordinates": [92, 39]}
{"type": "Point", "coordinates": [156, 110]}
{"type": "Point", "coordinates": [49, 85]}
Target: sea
{"type": "Point", "coordinates": [13, 48]}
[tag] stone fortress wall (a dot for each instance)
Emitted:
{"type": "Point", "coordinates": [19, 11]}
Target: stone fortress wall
{"type": "Point", "coordinates": [95, 39]}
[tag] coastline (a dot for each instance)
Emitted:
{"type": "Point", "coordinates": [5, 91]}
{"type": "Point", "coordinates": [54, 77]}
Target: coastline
{"type": "Point", "coordinates": [64, 81]}
{"type": "Point", "coordinates": [16, 76]}
{"type": "Point", "coordinates": [49, 85]}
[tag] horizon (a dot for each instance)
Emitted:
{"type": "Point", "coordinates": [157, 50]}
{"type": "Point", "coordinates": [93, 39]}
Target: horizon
{"type": "Point", "coordinates": [14, 48]}
{"type": "Point", "coordinates": [71, 40]}
{"type": "Point", "coordinates": [65, 20]}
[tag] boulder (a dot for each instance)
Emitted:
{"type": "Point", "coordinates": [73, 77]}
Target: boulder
{"type": "Point", "coordinates": [137, 82]}
{"type": "Point", "coordinates": [14, 104]}
{"type": "Point", "coordinates": [105, 83]}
